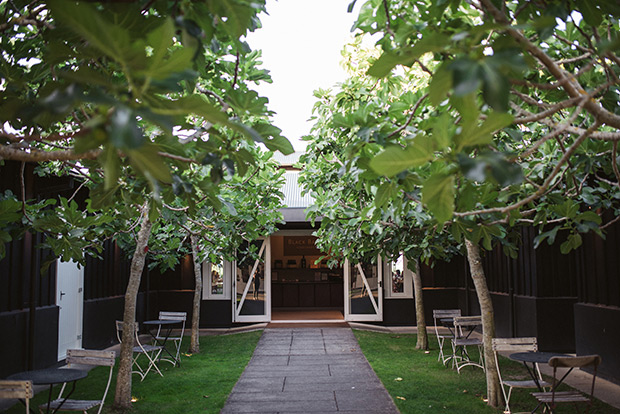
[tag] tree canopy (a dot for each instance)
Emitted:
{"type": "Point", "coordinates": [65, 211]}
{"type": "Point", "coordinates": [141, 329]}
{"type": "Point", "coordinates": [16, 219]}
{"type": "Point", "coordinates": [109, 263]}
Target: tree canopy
{"type": "Point", "coordinates": [472, 118]}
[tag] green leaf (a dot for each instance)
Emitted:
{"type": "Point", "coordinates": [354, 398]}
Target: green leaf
{"type": "Point", "coordinates": [160, 39]}
{"type": "Point", "coordinates": [549, 235]}
{"type": "Point", "coordinates": [568, 209]}
{"type": "Point", "coordinates": [395, 159]}
{"type": "Point", "coordinates": [386, 62]}
{"type": "Point", "coordinates": [432, 42]}
{"type": "Point", "coordinates": [441, 130]}
{"type": "Point", "coordinates": [238, 14]}
{"type": "Point", "coordinates": [384, 192]}
{"type": "Point", "coordinates": [591, 14]}
{"type": "Point", "coordinates": [438, 195]}
{"type": "Point", "coordinates": [466, 76]}
{"type": "Point", "coordinates": [194, 104]}
{"type": "Point", "coordinates": [589, 216]}
{"type": "Point", "coordinates": [495, 87]}
{"type": "Point", "coordinates": [109, 38]}
{"type": "Point", "coordinates": [472, 134]}
{"type": "Point", "coordinates": [111, 166]}
{"type": "Point", "coordinates": [147, 160]}
{"type": "Point", "coordinates": [572, 242]}
{"type": "Point", "coordinates": [123, 130]}
{"type": "Point", "coordinates": [102, 197]}
{"type": "Point", "coordinates": [440, 85]}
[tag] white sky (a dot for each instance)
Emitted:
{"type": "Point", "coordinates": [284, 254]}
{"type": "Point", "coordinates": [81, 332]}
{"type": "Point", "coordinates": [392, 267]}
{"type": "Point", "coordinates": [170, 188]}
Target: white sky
{"type": "Point", "coordinates": [301, 42]}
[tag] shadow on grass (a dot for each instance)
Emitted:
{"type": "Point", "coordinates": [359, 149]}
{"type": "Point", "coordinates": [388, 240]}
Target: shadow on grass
{"type": "Point", "coordinates": [200, 385]}
{"type": "Point", "coordinates": [418, 383]}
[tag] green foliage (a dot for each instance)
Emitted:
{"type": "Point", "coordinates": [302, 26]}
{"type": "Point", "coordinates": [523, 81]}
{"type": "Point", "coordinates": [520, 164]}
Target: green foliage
{"type": "Point", "coordinates": [145, 102]}
{"type": "Point", "coordinates": [492, 139]}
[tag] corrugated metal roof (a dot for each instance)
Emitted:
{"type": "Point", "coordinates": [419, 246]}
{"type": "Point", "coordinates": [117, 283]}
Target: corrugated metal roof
{"type": "Point", "coordinates": [292, 192]}
{"type": "Point", "coordinates": [287, 160]}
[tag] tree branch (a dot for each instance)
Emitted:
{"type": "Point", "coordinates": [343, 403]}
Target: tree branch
{"type": "Point", "coordinates": [569, 83]}
{"type": "Point", "coordinates": [543, 188]}
{"type": "Point", "coordinates": [411, 115]}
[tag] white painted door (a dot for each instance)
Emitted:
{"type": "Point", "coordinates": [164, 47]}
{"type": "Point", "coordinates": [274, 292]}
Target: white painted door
{"type": "Point", "coordinates": [363, 290]}
{"type": "Point", "coordinates": [252, 283]}
{"type": "Point", "coordinates": [70, 300]}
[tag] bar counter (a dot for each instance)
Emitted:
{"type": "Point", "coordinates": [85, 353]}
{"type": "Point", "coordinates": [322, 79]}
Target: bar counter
{"type": "Point", "coordinates": [306, 288]}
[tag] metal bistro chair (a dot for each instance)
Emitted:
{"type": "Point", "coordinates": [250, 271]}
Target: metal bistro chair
{"type": "Point", "coordinates": [439, 314]}
{"type": "Point", "coordinates": [172, 316]}
{"type": "Point", "coordinates": [84, 357]}
{"type": "Point", "coordinates": [512, 345]}
{"type": "Point", "coordinates": [17, 389]}
{"type": "Point", "coordinates": [553, 397]}
{"type": "Point", "coordinates": [463, 327]}
{"type": "Point", "coordinates": [151, 352]}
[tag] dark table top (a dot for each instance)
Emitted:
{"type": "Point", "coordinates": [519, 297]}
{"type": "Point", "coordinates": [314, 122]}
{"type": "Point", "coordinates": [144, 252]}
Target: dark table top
{"type": "Point", "coordinates": [447, 321]}
{"type": "Point", "coordinates": [50, 375]}
{"type": "Point", "coordinates": [536, 357]}
{"type": "Point", "coordinates": [162, 322]}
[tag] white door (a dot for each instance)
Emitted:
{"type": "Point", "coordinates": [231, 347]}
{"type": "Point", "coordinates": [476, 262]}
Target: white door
{"type": "Point", "coordinates": [70, 300]}
{"type": "Point", "coordinates": [252, 283]}
{"type": "Point", "coordinates": [363, 291]}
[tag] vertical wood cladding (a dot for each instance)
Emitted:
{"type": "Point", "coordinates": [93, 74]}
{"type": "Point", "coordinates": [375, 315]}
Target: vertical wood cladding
{"type": "Point", "coordinates": [108, 276]}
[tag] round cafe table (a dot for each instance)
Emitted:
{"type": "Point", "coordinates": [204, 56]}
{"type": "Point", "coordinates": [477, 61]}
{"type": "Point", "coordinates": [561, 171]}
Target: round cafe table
{"type": "Point", "coordinates": [534, 358]}
{"type": "Point", "coordinates": [50, 377]}
{"type": "Point", "coordinates": [168, 325]}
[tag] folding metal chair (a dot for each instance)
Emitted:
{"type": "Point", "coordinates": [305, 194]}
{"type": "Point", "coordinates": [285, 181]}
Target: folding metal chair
{"type": "Point", "coordinates": [439, 314]}
{"type": "Point", "coordinates": [552, 398]}
{"type": "Point", "coordinates": [512, 345]}
{"type": "Point", "coordinates": [84, 357]}
{"type": "Point", "coordinates": [172, 316]}
{"type": "Point", "coordinates": [463, 327]}
{"type": "Point", "coordinates": [151, 352]}
{"type": "Point", "coordinates": [17, 389]}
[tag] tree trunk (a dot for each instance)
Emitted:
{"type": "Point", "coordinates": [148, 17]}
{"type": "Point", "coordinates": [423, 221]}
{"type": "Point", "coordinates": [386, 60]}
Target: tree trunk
{"type": "Point", "coordinates": [122, 398]}
{"type": "Point", "coordinates": [494, 393]}
{"type": "Point", "coordinates": [194, 346]}
{"type": "Point", "coordinates": [422, 342]}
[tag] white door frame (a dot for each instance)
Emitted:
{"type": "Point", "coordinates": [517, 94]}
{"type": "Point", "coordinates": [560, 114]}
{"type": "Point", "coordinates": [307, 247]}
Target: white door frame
{"type": "Point", "coordinates": [377, 305]}
{"type": "Point", "coordinates": [266, 317]}
{"type": "Point", "coordinates": [70, 302]}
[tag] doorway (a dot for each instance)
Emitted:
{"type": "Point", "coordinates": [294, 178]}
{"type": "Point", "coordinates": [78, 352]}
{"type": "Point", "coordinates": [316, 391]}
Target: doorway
{"type": "Point", "coordinates": [303, 288]}
{"type": "Point", "coordinates": [70, 301]}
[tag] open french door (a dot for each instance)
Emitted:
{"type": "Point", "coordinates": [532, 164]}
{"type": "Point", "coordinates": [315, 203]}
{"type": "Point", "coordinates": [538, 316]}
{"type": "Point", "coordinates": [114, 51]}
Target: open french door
{"type": "Point", "coordinates": [252, 282]}
{"type": "Point", "coordinates": [363, 291]}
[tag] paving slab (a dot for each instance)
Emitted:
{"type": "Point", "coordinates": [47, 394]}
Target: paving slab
{"type": "Point", "coordinates": [309, 370]}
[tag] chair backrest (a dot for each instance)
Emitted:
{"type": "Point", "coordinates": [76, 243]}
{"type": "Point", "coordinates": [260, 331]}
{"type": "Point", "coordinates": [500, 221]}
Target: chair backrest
{"type": "Point", "coordinates": [95, 358]}
{"type": "Point", "coordinates": [572, 362]}
{"type": "Point", "coordinates": [575, 361]}
{"type": "Point", "coordinates": [172, 316]}
{"type": "Point", "coordinates": [17, 389]}
{"type": "Point", "coordinates": [460, 321]}
{"type": "Point", "coordinates": [91, 357]}
{"type": "Point", "coordinates": [445, 313]}
{"type": "Point", "coordinates": [119, 331]}
{"type": "Point", "coordinates": [526, 344]}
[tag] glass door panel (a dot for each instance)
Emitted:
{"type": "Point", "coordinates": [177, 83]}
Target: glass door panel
{"type": "Point", "coordinates": [252, 282]}
{"type": "Point", "coordinates": [363, 292]}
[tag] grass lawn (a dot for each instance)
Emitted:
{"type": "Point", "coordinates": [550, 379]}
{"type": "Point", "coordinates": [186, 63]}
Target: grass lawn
{"type": "Point", "coordinates": [200, 385]}
{"type": "Point", "coordinates": [418, 383]}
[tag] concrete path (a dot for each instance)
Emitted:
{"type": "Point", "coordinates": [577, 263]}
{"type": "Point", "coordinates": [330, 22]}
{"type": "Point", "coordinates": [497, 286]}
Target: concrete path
{"type": "Point", "coordinates": [309, 370]}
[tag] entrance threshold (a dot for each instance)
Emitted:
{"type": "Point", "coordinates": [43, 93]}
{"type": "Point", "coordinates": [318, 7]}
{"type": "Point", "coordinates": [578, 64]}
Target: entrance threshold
{"type": "Point", "coordinates": [307, 315]}
{"type": "Point", "coordinates": [308, 321]}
